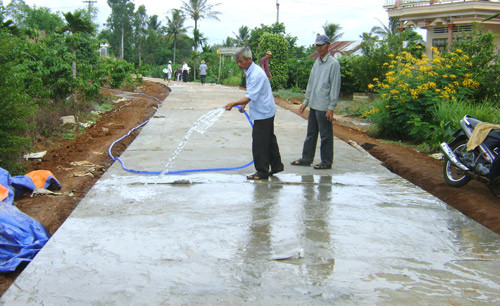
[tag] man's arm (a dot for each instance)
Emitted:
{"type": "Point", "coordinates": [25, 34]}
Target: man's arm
{"type": "Point", "coordinates": [243, 101]}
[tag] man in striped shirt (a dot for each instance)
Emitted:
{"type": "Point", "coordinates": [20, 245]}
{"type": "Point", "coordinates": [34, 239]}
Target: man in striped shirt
{"type": "Point", "coordinates": [322, 93]}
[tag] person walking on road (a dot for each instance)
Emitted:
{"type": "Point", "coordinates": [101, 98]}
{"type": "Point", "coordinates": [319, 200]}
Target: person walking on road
{"type": "Point", "coordinates": [203, 72]}
{"type": "Point", "coordinates": [260, 98]}
{"type": "Point", "coordinates": [185, 72]}
{"type": "Point", "coordinates": [264, 64]}
{"type": "Point", "coordinates": [322, 93]}
{"type": "Point", "coordinates": [169, 71]}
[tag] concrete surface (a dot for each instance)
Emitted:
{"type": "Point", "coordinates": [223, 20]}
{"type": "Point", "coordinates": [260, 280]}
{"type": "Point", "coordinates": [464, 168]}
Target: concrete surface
{"type": "Point", "coordinates": [356, 234]}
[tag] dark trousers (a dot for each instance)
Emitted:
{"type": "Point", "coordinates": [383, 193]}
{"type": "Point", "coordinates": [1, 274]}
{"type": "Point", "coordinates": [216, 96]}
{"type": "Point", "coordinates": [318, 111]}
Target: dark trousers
{"type": "Point", "coordinates": [203, 78]}
{"type": "Point", "coordinates": [265, 148]}
{"type": "Point", "coordinates": [185, 76]}
{"type": "Point", "coordinates": [318, 124]}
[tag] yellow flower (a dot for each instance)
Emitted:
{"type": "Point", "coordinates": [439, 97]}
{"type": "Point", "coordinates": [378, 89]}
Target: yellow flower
{"type": "Point", "coordinates": [370, 86]}
{"type": "Point", "coordinates": [459, 50]}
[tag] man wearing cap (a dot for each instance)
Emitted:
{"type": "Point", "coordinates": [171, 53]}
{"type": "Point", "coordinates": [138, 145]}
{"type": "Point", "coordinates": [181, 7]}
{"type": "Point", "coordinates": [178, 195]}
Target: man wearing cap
{"type": "Point", "coordinates": [264, 64]}
{"type": "Point", "coordinates": [322, 93]}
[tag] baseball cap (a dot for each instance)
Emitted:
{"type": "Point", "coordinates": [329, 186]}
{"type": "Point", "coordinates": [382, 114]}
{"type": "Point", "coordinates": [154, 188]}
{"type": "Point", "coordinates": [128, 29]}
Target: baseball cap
{"type": "Point", "coordinates": [322, 39]}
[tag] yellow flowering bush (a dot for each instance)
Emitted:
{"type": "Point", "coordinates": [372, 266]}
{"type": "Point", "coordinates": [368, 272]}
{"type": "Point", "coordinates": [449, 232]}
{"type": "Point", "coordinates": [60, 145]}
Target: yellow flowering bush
{"type": "Point", "coordinates": [411, 88]}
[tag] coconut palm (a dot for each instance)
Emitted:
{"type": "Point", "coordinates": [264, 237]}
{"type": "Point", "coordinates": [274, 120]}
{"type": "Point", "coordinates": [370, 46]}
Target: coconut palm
{"type": "Point", "coordinates": [199, 9]}
{"type": "Point", "coordinates": [384, 31]}
{"type": "Point", "coordinates": [175, 25]}
{"type": "Point", "coordinates": [332, 30]}
{"type": "Point", "coordinates": [77, 23]}
{"type": "Point", "coordinates": [243, 36]}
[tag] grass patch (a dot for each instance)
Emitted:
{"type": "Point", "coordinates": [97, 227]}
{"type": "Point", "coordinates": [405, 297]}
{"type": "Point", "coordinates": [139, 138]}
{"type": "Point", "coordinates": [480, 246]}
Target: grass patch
{"type": "Point", "coordinates": [232, 81]}
{"type": "Point", "coordinates": [290, 94]}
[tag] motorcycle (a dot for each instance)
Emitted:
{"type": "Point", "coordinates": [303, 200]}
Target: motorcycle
{"type": "Point", "coordinates": [480, 162]}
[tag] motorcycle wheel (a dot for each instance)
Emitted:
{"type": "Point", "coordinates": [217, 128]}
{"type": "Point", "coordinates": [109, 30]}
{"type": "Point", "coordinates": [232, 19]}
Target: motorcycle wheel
{"type": "Point", "coordinates": [454, 176]}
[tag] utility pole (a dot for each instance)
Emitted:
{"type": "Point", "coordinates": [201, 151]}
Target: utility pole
{"type": "Point", "coordinates": [90, 3]}
{"type": "Point", "coordinates": [277, 12]}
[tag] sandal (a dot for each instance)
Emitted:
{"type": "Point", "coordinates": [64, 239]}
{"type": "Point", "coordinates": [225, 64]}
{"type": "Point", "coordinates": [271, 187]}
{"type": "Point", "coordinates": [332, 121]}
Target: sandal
{"type": "Point", "coordinates": [322, 166]}
{"type": "Point", "coordinates": [299, 162]}
{"type": "Point", "coordinates": [258, 176]}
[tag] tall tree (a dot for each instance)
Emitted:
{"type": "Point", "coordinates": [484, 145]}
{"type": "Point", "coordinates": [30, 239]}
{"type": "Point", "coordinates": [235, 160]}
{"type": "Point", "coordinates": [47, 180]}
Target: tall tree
{"type": "Point", "coordinates": [76, 23]}
{"type": "Point", "coordinates": [17, 11]}
{"type": "Point", "coordinates": [154, 48]}
{"type": "Point", "coordinates": [175, 26]}
{"type": "Point", "coordinates": [386, 31]}
{"type": "Point", "coordinates": [140, 30]}
{"type": "Point", "coordinates": [119, 23]}
{"type": "Point", "coordinates": [332, 30]}
{"type": "Point", "coordinates": [7, 25]}
{"type": "Point", "coordinates": [243, 36]}
{"type": "Point", "coordinates": [199, 9]}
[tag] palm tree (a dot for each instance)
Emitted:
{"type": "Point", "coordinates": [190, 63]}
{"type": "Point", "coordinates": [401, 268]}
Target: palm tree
{"type": "Point", "coordinates": [175, 25]}
{"type": "Point", "coordinates": [76, 23]}
{"type": "Point", "coordinates": [243, 36]}
{"type": "Point", "coordinates": [384, 31]}
{"type": "Point", "coordinates": [332, 30]}
{"type": "Point", "coordinates": [199, 9]}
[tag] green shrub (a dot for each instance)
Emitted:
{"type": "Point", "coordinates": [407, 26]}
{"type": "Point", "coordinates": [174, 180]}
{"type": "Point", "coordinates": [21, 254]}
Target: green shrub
{"type": "Point", "coordinates": [16, 106]}
{"type": "Point", "coordinates": [278, 45]}
{"type": "Point", "coordinates": [232, 81]}
{"type": "Point", "coordinates": [412, 88]}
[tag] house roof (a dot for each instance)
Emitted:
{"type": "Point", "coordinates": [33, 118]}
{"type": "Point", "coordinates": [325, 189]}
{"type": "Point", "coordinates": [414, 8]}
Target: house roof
{"type": "Point", "coordinates": [340, 48]}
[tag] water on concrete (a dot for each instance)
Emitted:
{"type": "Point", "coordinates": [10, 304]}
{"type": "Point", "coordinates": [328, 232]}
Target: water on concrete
{"type": "Point", "coordinates": [356, 234]}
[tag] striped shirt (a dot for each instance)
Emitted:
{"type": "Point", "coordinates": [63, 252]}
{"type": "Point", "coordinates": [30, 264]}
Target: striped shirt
{"type": "Point", "coordinates": [323, 87]}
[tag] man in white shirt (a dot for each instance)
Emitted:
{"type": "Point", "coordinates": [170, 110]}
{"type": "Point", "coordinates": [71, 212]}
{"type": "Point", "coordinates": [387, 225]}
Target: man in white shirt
{"type": "Point", "coordinates": [259, 97]}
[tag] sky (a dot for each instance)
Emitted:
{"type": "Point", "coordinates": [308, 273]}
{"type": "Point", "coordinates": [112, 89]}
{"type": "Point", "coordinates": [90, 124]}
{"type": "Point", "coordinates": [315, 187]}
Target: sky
{"type": "Point", "coordinates": [302, 18]}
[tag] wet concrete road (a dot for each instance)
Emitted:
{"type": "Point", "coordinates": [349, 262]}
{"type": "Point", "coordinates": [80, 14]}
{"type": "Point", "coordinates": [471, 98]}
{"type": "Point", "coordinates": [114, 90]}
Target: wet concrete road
{"type": "Point", "coordinates": [356, 234]}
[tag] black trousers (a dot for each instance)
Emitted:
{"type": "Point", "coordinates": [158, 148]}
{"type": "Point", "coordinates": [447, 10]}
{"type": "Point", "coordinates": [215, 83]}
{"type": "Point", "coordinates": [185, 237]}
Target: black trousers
{"type": "Point", "coordinates": [265, 150]}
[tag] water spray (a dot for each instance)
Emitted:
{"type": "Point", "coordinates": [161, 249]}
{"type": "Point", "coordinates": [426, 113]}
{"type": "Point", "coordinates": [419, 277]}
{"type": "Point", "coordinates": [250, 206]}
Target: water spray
{"type": "Point", "coordinates": [201, 125]}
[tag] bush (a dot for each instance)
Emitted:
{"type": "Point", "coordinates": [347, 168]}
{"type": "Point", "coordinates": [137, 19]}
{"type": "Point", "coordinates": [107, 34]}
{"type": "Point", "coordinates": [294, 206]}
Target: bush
{"type": "Point", "coordinates": [278, 45]}
{"type": "Point", "coordinates": [413, 87]}
{"type": "Point", "coordinates": [118, 73]}
{"type": "Point", "coordinates": [16, 106]}
{"type": "Point", "coordinates": [232, 81]}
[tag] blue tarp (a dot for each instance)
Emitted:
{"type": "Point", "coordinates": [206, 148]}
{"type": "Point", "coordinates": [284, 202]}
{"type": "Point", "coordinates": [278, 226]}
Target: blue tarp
{"type": "Point", "coordinates": [21, 237]}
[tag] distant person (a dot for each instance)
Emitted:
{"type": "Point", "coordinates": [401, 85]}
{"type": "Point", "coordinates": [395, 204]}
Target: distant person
{"type": "Point", "coordinates": [165, 73]}
{"type": "Point", "coordinates": [203, 72]}
{"type": "Point", "coordinates": [264, 64]}
{"type": "Point", "coordinates": [185, 72]}
{"type": "Point", "coordinates": [259, 96]}
{"type": "Point", "coordinates": [322, 93]}
{"type": "Point", "coordinates": [169, 72]}
{"type": "Point", "coordinates": [178, 73]}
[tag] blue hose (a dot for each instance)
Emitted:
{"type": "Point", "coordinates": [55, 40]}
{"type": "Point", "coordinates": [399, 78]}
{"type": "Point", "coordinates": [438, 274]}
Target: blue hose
{"type": "Point", "coordinates": [169, 172]}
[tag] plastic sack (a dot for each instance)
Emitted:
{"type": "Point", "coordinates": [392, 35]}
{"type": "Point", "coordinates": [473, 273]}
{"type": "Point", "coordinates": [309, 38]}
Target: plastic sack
{"type": "Point", "coordinates": [21, 237]}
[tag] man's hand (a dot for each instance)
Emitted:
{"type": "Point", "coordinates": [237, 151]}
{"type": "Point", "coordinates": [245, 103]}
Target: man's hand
{"type": "Point", "coordinates": [329, 115]}
{"type": "Point", "coordinates": [302, 108]}
{"type": "Point", "coordinates": [229, 106]}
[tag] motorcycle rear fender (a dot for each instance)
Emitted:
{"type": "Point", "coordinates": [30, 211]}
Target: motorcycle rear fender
{"type": "Point", "coordinates": [459, 136]}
